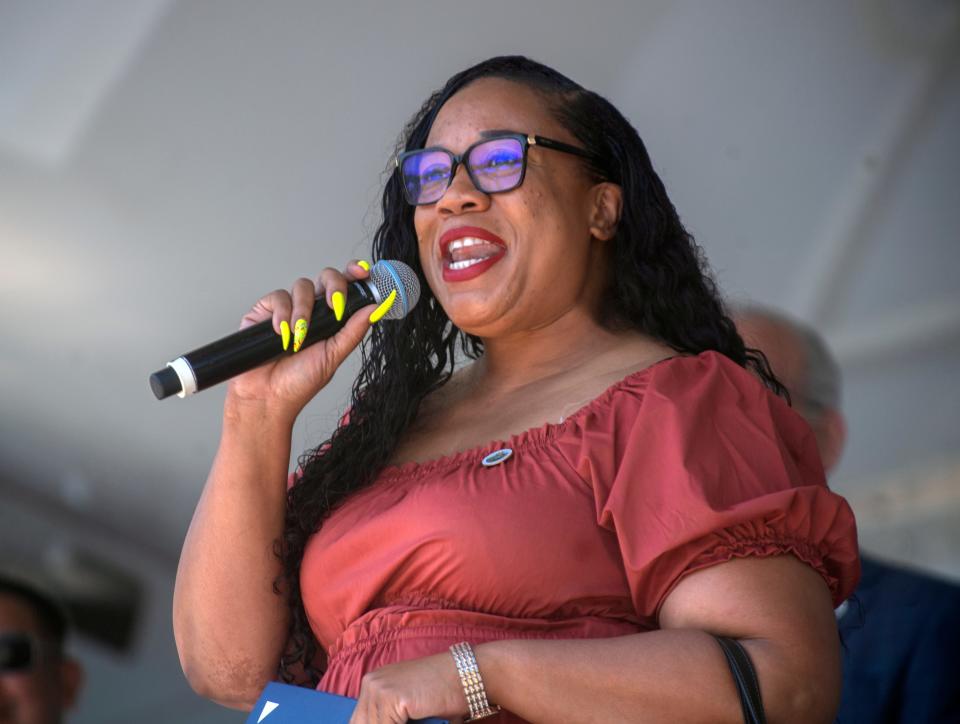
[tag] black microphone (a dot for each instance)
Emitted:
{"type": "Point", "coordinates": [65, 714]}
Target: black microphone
{"type": "Point", "coordinates": [251, 347]}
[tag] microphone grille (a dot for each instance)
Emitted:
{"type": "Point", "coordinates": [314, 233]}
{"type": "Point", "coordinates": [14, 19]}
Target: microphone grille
{"type": "Point", "coordinates": [387, 275]}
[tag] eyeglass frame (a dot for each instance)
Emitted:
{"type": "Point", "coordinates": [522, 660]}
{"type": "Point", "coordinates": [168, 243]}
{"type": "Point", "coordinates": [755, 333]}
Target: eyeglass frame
{"type": "Point", "coordinates": [526, 140]}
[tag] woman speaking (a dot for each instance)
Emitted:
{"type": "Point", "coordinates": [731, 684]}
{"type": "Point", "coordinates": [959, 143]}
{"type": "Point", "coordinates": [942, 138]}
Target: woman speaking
{"type": "Point", "coordinates": [557, 531]}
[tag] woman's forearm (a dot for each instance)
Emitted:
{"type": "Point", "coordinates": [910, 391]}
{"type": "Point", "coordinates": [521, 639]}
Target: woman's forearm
{"type": "Point", "coordinates": [671, 676]}
{"type": "Point", "coordinates": [778, 607]}
{"type": "Point", "coordinates": [229, 624]}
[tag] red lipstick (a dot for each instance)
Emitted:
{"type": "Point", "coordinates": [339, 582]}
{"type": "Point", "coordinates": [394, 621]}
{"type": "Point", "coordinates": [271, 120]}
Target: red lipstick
{"type": "Point", "coordinates": [473, 259]}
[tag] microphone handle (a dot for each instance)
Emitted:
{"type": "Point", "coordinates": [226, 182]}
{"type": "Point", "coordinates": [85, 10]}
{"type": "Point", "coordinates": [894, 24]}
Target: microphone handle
{"type": "Point", "coordinates": [249, 348]}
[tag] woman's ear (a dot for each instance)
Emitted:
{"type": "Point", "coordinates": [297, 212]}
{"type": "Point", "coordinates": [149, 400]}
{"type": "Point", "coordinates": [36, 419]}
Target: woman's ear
{"type": "Point", "coordinates": [607, 203]}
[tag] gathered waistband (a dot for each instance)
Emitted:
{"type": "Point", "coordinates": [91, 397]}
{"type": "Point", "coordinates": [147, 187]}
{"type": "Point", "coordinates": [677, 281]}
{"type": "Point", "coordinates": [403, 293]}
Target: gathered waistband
{"type": "Point", "coordinates": [392, 624]}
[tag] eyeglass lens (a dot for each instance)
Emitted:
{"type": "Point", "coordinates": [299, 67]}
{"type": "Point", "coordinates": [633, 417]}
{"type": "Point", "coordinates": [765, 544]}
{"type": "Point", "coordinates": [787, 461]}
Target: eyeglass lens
{"type": "Point", "coordinates": [494, 165]}
{"type": "Point", "coordinates": [16, 652]}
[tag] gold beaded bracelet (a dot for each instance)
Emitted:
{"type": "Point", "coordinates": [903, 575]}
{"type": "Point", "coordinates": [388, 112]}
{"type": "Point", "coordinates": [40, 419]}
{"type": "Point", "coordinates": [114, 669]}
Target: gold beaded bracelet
{"type": "Point", "coordinates": [472, 684]}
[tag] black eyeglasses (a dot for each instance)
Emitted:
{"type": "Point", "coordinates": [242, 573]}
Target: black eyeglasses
{"type": "Point", "coordinates": [494, 164]}
{"type": "Point", "coordinates": [18, 652]}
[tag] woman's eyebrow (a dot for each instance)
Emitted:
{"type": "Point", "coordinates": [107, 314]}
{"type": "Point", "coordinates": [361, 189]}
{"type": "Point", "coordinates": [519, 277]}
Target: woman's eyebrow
{"type": "Point", "coordinates": [496, 132]}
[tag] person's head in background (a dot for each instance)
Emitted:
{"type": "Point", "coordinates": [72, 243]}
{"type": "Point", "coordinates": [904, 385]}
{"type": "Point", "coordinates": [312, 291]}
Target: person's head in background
{"type": "Point", "coordinates": [802, 362]}
{"type": "Point", "coordinates": [39, 683]}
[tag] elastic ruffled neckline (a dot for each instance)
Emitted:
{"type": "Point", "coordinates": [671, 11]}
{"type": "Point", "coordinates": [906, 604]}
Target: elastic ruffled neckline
{"type": "Point", "coordinates": [534, 437]}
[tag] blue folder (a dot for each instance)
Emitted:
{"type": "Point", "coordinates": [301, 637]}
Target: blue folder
{"type": "Point", "coordinates": [285, 704]}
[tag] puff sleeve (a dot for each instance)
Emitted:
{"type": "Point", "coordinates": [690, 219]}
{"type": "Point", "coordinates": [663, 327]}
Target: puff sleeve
{"type": "Point", "coordinates": [702, 464]}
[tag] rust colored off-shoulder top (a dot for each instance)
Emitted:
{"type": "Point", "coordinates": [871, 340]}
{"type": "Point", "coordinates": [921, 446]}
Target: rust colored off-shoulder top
{"type": "Point", "coordinates": [583, 531]}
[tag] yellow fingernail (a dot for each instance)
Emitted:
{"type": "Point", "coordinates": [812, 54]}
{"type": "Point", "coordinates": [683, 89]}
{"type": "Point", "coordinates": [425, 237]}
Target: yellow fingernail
{"type": "Point", "coordinates": [285, 334]}
{"type": "Point", "coordinates": [364, 264]}
{"type": "Point", "coordinates": [339, 301]}
{"type": "Point", "coordinates": [299, 333]}
{"type": "Point", "coordinates": [383, 308]}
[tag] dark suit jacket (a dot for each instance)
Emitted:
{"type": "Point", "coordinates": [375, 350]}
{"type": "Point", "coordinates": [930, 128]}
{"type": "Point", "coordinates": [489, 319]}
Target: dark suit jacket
{"type": "Point", "coordinates": [901, 662]}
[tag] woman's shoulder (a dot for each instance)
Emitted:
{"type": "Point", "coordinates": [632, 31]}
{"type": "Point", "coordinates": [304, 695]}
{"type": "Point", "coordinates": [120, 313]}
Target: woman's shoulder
{"type": "Point", "coordinates": [688, 397]}
{"type": "Point", "coordinates": [707, 374]}
{"type": "Point", "coordinates": [670, 375]}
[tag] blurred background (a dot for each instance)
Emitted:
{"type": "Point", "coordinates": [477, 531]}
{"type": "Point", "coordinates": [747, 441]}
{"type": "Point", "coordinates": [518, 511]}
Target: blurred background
{"type": "Point", "coordinates": [164, 162]}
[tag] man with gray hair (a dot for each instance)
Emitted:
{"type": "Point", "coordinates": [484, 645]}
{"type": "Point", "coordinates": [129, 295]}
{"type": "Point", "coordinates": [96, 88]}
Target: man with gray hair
{"type": "Point", "coordinates": [901, 629]}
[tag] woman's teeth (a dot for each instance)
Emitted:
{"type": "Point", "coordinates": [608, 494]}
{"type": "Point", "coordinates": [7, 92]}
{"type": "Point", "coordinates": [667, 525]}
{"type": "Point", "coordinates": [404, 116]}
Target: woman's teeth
{"type": "Point", "coordinates": [464, 242]}
{"type": "Point", "coordinates": [468, 251]}
{"type": "Point", "coordinates": [465, 263]}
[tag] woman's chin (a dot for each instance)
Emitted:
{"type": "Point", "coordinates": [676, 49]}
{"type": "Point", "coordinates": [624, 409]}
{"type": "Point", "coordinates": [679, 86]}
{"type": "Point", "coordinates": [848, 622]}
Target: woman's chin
{"type": "Point", "coordinates": [477, 319]}
{"type": "Point", "coordinates": [478, 326]}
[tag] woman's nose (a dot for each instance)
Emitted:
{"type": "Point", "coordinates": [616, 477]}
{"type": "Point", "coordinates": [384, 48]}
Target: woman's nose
{"type": "Point", "coordinates": [462, 196]}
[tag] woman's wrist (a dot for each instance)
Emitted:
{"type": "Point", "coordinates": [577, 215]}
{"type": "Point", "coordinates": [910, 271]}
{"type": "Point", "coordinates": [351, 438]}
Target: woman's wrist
{"type": "Point", "coordinates": [240, 411]}
{"type": "Point", "coordinates": [478, 704]}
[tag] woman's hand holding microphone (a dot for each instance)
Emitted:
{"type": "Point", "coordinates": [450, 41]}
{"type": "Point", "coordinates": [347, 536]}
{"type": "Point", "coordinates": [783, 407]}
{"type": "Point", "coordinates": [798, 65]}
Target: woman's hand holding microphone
{"type": "Point", "coordinates": [289, 382]}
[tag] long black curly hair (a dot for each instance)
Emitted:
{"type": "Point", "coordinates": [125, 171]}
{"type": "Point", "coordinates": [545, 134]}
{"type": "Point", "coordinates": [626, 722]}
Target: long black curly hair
{"type": "Point", "coordinates": [658, 285]}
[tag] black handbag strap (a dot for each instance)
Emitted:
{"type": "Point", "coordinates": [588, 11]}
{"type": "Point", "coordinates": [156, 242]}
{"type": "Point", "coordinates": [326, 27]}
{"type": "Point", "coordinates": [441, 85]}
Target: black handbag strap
{"type": "Point", "coordinates": [745, 678]}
